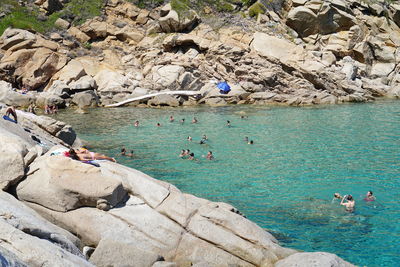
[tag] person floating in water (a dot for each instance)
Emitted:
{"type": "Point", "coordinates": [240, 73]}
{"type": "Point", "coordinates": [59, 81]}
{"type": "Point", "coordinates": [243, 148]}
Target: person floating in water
{"type": "Point", "coordinates": [191, 156]}
{"type": "Point", "coordinates": [204, 137]}
{"type": "Point", "coordinates": [349, 204]}
{"type": "Point", "coordinates": [370, 196]}
{"type": "Point", "coordinates": [171, 118]}
{"type": "Point", "coordinates": [123, 151]}
{"type": "Point", "coordinates": [210, 155]}
{"type": "Point", "coordinates": [246, 139]}
{"type": "Point", "coordinates": [158, 124]}
{"type": "Point", "coordinates": [136, 124]}
{"type": "Point", "coordinates": [195, 120]}
{"type": "Point", "coordinates": [189, 138]}
{"type": "Point", "coordinates": [228, 123]}
{"type": "Point", "coordinates": [182, 121]}
{"type": "Point", "coordinates": [251, 142]}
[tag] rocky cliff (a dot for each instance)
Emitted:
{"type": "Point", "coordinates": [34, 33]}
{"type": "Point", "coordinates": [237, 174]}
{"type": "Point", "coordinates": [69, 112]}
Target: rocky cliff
{"type": "Point", "coordinates": [307, 52]}
{"type": "Point", "coordinates": [55, 211]}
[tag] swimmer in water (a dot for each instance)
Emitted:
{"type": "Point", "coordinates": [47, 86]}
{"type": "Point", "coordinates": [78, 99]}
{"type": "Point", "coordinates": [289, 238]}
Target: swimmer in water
{"type": "Point", "coordinates": [204, 137]}
{"type": "Point", "coordinates": [123, 151]}
{"type": "Point", "coordinates": [171, 119]}
{"type": "Point", "coordinates": [349, 204]}
{"type": "Point", "coordinates": [130, 154]}
{"type": "Point", "coordinates": [189, 138]}
{"type": "Point", "coordinates": [246, 139]}
{"type": "Point", "coordinates": [183, 153]}
{"type": "Point", "coordinates": [191, 156]}
{"type": "Point", "coordinates": [195, 120]}
{"type": "Point", "coordinates": [136, 124]}
{"type": "Point", "coordinates": [158, 124]}
{"type": "Point", "coordinates": [251, 142]}
{"type": "Point", "coordinates": [210, 155]}
{"type": "Point", "coordinates": [182, 121]}
{"type": "Point", "coordinates": [370, 196]}
{"type": "Point", "coordinates": [228, 123]}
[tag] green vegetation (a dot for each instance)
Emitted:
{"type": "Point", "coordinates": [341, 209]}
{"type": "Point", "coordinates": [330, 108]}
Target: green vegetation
{"type": "Point", "coordinates": [24, 18]}
{"type": "Point", "coordinates": [29, 17]}
{"type": "Point", "coordinates": [256, 9]}
{"type": "Point", "coordinates": [78, 11]}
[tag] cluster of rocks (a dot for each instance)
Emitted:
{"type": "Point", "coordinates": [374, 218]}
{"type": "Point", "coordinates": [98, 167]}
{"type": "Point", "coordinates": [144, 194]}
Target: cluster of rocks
{"type": "Point", "coordinates": [335, 51]}
{"type": "Point", "coordinates": [55, 211]}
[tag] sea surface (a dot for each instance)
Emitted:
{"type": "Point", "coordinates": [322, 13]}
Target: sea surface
{"type": "Point", "coordinates": [285, 181]}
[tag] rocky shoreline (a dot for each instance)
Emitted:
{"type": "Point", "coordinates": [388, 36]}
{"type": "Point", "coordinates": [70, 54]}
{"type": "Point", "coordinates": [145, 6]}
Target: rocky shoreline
{"type": "Point", "coordinates": [56, 211]}
{"type": "Point", "coordinates": [312, 52]}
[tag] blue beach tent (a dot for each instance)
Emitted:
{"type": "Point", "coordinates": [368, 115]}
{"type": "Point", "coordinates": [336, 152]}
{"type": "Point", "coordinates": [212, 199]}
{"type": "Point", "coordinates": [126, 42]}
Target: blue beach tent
{"type": "Point", "coordinates": [224, 87]}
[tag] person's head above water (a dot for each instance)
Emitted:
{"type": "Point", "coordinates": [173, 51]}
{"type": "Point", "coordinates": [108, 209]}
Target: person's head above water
{"type": "Point", "coordinates": [349, 198]}
{"type": "Point", "coordinates": [369, 193]}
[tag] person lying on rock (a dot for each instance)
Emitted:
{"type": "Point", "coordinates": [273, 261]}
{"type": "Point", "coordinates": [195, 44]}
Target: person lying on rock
{"type": "Point", "coordinates": [11, 111]}
{"type": "Point", "coordinates": [86, 155]}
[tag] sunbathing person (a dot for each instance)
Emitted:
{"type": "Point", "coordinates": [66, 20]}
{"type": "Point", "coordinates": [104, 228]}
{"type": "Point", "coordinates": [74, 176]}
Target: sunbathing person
{"type": "Point", "coordinates": [85, 155]}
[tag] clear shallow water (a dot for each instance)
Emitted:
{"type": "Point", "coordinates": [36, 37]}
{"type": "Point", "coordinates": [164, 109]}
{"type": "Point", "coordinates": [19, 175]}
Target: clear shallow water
{"type": "Point", "coordinates": [285, 181]}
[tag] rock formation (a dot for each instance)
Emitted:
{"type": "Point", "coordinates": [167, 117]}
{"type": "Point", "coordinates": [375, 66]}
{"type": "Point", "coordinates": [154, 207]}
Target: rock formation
{"type": "Point", "coordinates": [299, 57]}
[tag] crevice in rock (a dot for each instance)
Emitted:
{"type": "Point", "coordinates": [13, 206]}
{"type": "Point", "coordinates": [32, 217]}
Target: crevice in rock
{"type": "Point", "coordinates": [218, 246]}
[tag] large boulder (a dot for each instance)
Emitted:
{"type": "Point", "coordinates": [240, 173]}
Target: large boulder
{"type": "Point", "coordinates": [13, 150]}
{"type": "Point", "coordinates": [12, 37]}
{"type": "Point", "coordinates": [16, 214]}
{"type": "Point", "coordinates": [303, 20]}
{"type": "Point", "coordinates": [7, 258]}
{"type": "Point", "coordinates": [97, 29]}
{"type": "Point", "coordinates": [53, 127]}
{"type": "Point", "coordinates": [166, 77]}
{"type": "Point", "coordinates": [73, 71]}
{"type": "Point", "coordinates": [13, 98]}
{"type": "Point", "coordinates": [48, 98]}
{"type": "Point", "coordinates": [62, 184]}
{"type": "Point", "coordinates": [163, 100]}
{"type": "Point", "coordinates": [84, 83]}
{"type": "Point", "coordinates": [30, 58]}
{"type": "Point", "coordinates": [286, 52]}
{"type": "Point", "coordinates": [112, 82]}
{"type": "Point", "coordinates": [85, 99]}
{"type": "Point", "coordinates": [320, 17]}
{"type": "Point", "coordinates": [311, 259]}
{"type": "Point", "coordinates": [172, 21]}
{"type": "Point", "coordinates": [35, 251]}
{"type": "Point", "coordinates": [126, 253]}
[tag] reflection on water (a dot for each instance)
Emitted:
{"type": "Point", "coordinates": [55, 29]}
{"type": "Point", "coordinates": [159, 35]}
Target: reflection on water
{"type": "Point", "coordinates": [285, 181]}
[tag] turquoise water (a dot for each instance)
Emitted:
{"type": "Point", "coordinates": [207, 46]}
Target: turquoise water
{"type": "Point", "coordinates": [285, 181]}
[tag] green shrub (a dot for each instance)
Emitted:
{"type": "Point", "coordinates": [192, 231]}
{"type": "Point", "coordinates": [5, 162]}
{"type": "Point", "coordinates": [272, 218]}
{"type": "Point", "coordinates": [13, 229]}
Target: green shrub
{"type": "Point", "coordinates": [256, 9]}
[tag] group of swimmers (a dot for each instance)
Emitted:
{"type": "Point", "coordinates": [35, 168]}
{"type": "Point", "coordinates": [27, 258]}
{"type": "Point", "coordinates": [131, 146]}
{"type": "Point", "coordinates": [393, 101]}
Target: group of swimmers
{"type": "Point", "coordinates": [348, 201]}
{"type": "Point", "coordinates": [187, 154]}
{"type": "Point", "coordinates": [123, 153]}
{"type": "Point", "coordinates": [171, 119]}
